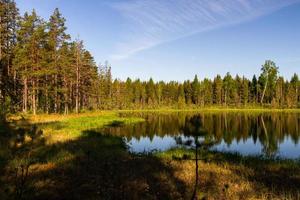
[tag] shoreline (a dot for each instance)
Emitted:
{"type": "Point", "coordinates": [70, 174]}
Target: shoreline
{"type": "Point", "coordinates": [159, 110]}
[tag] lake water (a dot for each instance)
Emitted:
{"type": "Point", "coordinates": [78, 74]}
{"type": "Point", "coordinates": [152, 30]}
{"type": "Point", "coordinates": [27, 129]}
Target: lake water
{"type": "Point", "coordinates": [267, 134]}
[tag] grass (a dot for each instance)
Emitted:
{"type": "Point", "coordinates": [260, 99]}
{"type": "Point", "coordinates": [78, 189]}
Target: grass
{"type": "Point", "coordinates": [232, 176]}
{"type": "Point", "coordinates": [47, 118]}
{"type": "Point", "coordinates": [69, 157]}
{"type": "Point", "coordinates": [72, 128]}
{"type": "Point", "coordinates": [35, 147]}
{"type": "Point", "coordinates": [60, 128]}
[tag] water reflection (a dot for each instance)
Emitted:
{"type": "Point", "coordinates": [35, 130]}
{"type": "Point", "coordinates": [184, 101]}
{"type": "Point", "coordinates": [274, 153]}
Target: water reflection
{"type": "Point", "coordinates": [268, 134]}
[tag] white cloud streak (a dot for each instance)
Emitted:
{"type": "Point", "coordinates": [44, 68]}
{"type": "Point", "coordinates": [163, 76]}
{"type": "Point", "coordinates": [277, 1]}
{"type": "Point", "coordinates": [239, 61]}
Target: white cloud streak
{"type": "Point", "coordinates": [153, 22]}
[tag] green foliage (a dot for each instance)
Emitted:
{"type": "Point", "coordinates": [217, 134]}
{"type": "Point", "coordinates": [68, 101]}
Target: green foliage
{"type": "Point", "coordinates": [268, 79]}
{"type": "Point", "coordinates": [196, 90]}
{"type": "Point", "coordinates": [8, 26]}
{"type": "Point", "coordinates": [44, 71]}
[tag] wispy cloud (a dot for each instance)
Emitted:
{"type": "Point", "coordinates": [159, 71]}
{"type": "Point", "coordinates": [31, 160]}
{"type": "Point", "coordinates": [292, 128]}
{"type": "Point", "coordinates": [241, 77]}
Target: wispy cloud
{"type": "Point", "coordinates": [153, 22]}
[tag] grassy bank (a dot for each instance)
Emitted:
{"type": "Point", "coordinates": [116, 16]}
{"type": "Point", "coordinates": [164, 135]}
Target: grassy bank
{"type": "Point", "coordinates": [69, 157]}
{"type": "Point", "coordinates": [44, 118]}
{"type": "Point", "coordinates": [59, 128]}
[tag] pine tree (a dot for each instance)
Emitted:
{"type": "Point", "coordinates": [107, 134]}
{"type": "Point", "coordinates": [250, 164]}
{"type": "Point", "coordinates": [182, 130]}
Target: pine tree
{"type": "Point", "coordinates": [56, 38]}
{"type": "Point", "coordinates": [217, 90]}
{"type": "Point", "coordinates": [78, 68]}
{"type": "Point", "coordinates": [279, 92]}
{"type": "Point", "coordinates": [150, 92]}
{"type": "Point", "coordinates": [238, 90]}
{"type": "Point", "coordinates": [245, 91]}
{"type": "Point", "coordinates": [68, 76]}
{"type": "Point", "coordinates": [30, 57]}
{"type": "Point", "coordinates": [196, 90]}
{"type": "Point", "coordinates": [254, 88]}
{"type": "Point", "coordinates": [129, 93]}
{"type": "Point", "coordinates": [188, 92]}
{"type": "Point", "coordinates": [181, 97]}
{"type": "Point", "coordinates": [292, 94]}
{"type": "Point", "coordinates": [207, 92]}
{"type": "Point", "coordinates": [8, 26]}
{"type": "Point", "coordinates": [228, 85]}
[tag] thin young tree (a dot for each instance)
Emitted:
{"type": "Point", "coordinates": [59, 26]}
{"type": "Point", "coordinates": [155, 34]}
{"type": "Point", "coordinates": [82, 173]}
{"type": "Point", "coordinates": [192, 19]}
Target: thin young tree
{"type": "Point", "coordinates": [269, 77]}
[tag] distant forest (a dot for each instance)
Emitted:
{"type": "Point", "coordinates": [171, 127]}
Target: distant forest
{"type": "Point", "coordinates": [44, 71]}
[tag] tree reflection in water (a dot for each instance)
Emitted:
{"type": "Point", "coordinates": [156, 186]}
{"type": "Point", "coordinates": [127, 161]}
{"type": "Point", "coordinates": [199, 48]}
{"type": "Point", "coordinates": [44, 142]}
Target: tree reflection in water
{"type": "Point", "coordinates": [265, 132]}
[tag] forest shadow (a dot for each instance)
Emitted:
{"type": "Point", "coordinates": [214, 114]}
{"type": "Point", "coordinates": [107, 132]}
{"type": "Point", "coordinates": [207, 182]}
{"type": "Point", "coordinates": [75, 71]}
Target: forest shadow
{"type": "Point", "coordinates": [94, 166]}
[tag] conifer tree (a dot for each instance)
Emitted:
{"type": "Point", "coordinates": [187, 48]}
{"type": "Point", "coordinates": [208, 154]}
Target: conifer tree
{"type": "Point", "coordinates": [228, 88]}
{"type": "Point", "coordinates": [254, 89]}
{"type": "Point", "coordinates": [8, 26]}
{"type": "Point", "coordinates": [30, 57]}
{"type": "Point", "coordinates": [196, 90]}
{"type": "Point", "coordinates": [292, 94]}
{"type": "Point", "coordinates": [217, 90]}
{"type": "Point", "coordinates": [56, 38]}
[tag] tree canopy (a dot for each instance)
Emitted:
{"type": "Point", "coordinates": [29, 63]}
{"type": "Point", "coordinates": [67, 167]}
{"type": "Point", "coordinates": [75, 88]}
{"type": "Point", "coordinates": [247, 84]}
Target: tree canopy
{"type": "Point", "coordinates": [42, 70]}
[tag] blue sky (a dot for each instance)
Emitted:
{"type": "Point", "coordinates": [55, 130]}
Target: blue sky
{"type": "Point", "coordinates": [176, 39]}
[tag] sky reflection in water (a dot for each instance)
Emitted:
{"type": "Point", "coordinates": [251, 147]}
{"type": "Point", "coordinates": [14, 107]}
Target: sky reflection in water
{"type": "Point", "coordinates": [268, 134]}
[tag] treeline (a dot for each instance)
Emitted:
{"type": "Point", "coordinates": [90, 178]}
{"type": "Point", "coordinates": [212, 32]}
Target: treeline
{"type": "Point", "coordinates": [44, 70]}
{"type": "Point", "coordinates": [268, 90]}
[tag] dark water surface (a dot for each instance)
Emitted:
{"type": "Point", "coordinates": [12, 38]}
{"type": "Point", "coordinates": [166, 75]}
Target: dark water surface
{"type": "Point", "coordinates": [267, 134]}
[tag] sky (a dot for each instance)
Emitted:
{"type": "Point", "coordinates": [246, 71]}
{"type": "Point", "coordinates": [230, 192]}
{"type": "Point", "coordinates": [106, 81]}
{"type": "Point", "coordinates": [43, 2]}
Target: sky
{"type": "Point", "coordinates": [176, 39]}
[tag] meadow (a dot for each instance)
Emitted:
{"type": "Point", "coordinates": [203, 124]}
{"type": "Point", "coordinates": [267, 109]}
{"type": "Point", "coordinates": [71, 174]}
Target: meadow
{"type": "Point", "coordinates": [72, 157]}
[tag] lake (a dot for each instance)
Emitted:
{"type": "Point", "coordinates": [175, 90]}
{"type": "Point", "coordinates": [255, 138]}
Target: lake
{"type": "Point", "coordinates": [264, 134]}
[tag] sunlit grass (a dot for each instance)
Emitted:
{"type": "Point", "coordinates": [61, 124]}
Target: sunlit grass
{"type": "Point", "coordinates": [60, 128]}
{"type": "Point", "coordinates": [57, 128]}
{"type": "Point", "coordinates": [47, 118]}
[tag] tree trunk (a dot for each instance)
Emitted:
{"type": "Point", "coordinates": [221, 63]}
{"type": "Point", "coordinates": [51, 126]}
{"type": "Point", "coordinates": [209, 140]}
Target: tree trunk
{"type": "Point", "coordinates": [66, 99]}
{"type": "Point", "coordinates": [264, 92]}
{"type": "Point", "coordinates": [25, 95]}
{"type": "Point", "coordinates": [33, 98]}
{"type": "Point", "coordinates": [225, 98]}
{"type": "Point", "coordinates": [47, 96]}
{"type": "Point", "coordinates": [55, 93]}
{"type": "Point", "coordinates": [297, 96]}
{"type": "Point", "coordinates": [77, 83]}
{"type": "Point", "coordinates": [1, 65]}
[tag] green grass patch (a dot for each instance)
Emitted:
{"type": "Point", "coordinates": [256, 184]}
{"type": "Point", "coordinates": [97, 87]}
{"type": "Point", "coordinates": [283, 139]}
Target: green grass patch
{"type": "Point", "coordinates": [58, 129]}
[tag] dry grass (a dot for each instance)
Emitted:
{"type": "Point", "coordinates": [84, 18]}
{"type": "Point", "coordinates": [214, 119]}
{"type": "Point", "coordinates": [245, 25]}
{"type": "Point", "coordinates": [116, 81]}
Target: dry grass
{"type": "Point", "coordinates": [231, 176]}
